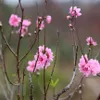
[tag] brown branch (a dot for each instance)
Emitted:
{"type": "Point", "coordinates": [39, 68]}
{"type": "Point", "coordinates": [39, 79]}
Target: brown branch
{"type": "Point", "coordinates": [23, 83]}
{"type": "Point", "coordinates": [18, 48]}
{"type": "Point", "coordinates": [54, 62]}
{"type": "Point", "coordinates": [7, 44]}
{"type": "Point", "coordinates": [56, 97]}
{"type": "Point", "coordinates": [70, 95]}
{"type": "Point", "coordinates": [29, 48]}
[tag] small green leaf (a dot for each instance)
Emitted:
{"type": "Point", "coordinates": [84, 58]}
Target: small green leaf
{"type": "Point", "coordinates": [54, 83]}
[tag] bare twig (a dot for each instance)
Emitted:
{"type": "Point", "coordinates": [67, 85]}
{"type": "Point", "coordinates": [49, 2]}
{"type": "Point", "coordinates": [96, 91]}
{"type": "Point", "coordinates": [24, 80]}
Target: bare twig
{"type": "Point", "coordinates": [56, 97]}
{"type": "Point", "coordinates": [4, 92]}
{"type": "Point", "coordinates": [18, 48]}
{"type": "Point", "coordinates": [31, 86]}
{"type": "Point", "coordinates": [12, 93]}
{"type": "Point", "coordinates": [23, 83]}
{"type": "Point", "coordinates": [54, 62]}
{"type": "Point", "coordinates": [6, 42]}
{"type": "Point", "coordinates": [30, 47]}
{"type": "Point", "coordinates": [70, 95]}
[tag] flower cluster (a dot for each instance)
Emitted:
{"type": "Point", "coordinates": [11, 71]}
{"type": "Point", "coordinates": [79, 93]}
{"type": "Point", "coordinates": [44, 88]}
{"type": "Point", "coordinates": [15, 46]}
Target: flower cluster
{"type": "Point", "coordinates": [43, 58]}
{"type": "Point", "coordinates": [90, 41]}
{"type": "Point", "coordinates": [15, 21]}
{"type": "Point", "coordinates": [40, 24]}
{"type": "Point", "coordinates": [89, 67]}
{"type": "Point", "coordinates": [75, 12]}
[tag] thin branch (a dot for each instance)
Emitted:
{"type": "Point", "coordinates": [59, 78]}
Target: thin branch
{"type": "Point", "coordinates": [31, 86]}
{"type": "Point", "coordinates": [56, 97]}
{"type": "Point", "coordinates": [54, 62]}
{"type": "Point", "coordinates": [29, 48]}
{"type": "Point", "coordinates": [23, 83]}
{"type": "Point", "coordinates": [18, 49]}
{"type": "Point", "coordinates": [70, 95]}
{"type": "Point", "coordinates": [44, 81]}
{"type": "Point", "coordinates": [4, 92]}
{"type": "Point", "coordinates": [12, 93]}
{"type": "Point", "coordinates": [6, 42]}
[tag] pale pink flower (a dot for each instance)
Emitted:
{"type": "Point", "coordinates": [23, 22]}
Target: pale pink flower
{"type": "Point", "coordinates": [48, 19]}
{"type": "Point", "coordinates": [74, 11]}
{"type": "Point", "coordinates": [83, 65]}
{"type": "Point", "coordinates": [31, 66]}
{"type": "Point", "coordinates": [24, 31]}
{"type": "Point", "coordinates": [89, 67]}
{"type": "Point", "coordinates": [47, 51]}
{"type": "Point", "coordinates": [90, 41]}
{"type": "Point", "coordinates": [14, 20]}
{"type": "Point", "coordinates": [41, 60]}
{"type": "Point", "coordinates": [26, 22]}
{"type": "Point", "coordinates": [94, 66]}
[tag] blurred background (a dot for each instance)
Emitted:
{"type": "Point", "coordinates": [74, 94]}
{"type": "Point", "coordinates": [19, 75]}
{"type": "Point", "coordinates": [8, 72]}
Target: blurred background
{"type": "Point", "coordinates": [88, 25]}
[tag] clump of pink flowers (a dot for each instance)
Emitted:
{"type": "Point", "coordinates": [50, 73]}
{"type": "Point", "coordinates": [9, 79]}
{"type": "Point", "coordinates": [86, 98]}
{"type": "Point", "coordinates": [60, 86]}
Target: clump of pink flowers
{"type": "Point", "coordinates": [40, 22]}
{"type": "Point", "coordinates": [75, 11]}
{"type": "Point", "coordinates": [15, 21]}
{"type": "Point", "coordinates": [43, 58]}
{"type": "Point", "coordinates": [24, 29]}
{"type": "Point", "coordinates": [90, 41]}
{"type": "Point", "coordinates": [89, 66]}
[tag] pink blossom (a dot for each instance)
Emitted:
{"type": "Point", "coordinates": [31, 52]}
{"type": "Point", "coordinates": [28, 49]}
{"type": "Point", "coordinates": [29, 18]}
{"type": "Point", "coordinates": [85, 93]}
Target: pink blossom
{"type": "Point", "coordinates": [14, 20]}
{"type": "Point", "coordinates": [48, 19]}
{"type": "Point", "coordinates": [31, 66]}
{"type": "Point", "coordinates": [40, 23]}
{"type": "Point", "coordinates": [26, 22]}
{"type": "Point", "coordinates": [74, 11]}
{"type": "Point", "coordinates": [47, 51]}
{"type": "Point", "coordinates": [89, 67]}
{"type": "Point", "coordinates": [94, 66]}
{"type": "Point", "coordinates": [43, 58]}
{"type": "Point", "coordinates": [90, 41]}
{"type": "Point", "coordinates": [24, 31]}
{"type": "Point", "coordinates": [83, 65]}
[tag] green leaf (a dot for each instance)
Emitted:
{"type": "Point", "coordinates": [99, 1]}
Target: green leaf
{"type": "Point", "coordinates": [54, 83]}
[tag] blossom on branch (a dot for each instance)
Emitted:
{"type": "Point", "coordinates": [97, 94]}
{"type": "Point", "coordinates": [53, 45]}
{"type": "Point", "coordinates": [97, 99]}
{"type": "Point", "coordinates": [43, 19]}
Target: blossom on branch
{"type": "Point", "coordinates": [43, 58]}
{"type": "Point", "coordinates": [40, 22]}
{"type": "Point", "coordinates": [24, 29]}
{"type": "Point", "coordinates": [31, 66]}
{"type": "Point", "coordinates": [75, 12]}
{"type": "Point", "coordinates": [14, 20]}
{"type": "Point", "coordinates": [26, 22]}
{"type": "Point", "coordinates": [90, 41]}
{"type": "Point", "coordinates": [89, 67]}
